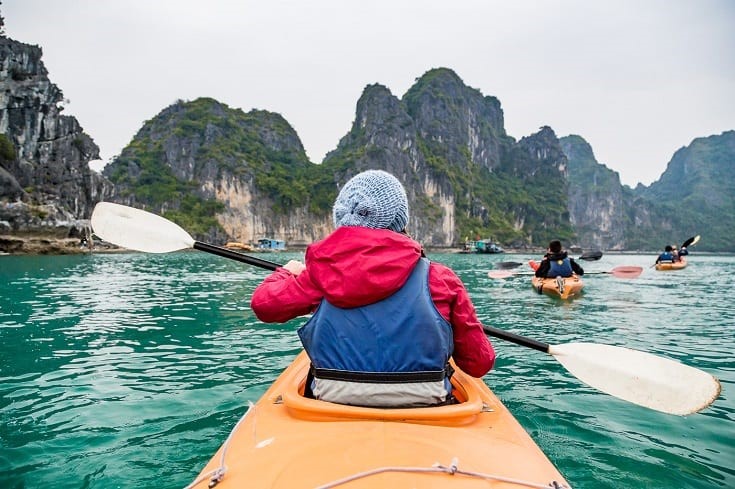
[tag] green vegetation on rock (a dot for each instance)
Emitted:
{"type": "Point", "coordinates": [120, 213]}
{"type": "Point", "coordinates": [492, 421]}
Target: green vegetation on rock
{"type": "Point", "coordinates": [7, 150]}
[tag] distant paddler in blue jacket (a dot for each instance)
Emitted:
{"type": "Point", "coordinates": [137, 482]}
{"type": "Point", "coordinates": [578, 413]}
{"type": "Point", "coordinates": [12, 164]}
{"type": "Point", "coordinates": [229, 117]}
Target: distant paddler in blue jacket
{"type": "Point", "coordinates": [556, 263]}
{"type": "Point", "coordinates": [667, 256]}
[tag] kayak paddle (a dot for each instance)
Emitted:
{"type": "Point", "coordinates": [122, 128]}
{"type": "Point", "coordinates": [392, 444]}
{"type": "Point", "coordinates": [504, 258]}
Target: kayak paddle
{"type": "Point", "coordinates": [623, 271]}
{"type": "Point", "coordinates": [139, 230]}
{"type": "Point", "coordinates": [505, 265]}
{"type": "Point", "coordinates": [591, 255]}
{"type": "Point", "coordinates": [503, 274]}
{"type": "Point", "coordinates": [641, 378]}
{"type": "Point", "coordinates": [690, 242]}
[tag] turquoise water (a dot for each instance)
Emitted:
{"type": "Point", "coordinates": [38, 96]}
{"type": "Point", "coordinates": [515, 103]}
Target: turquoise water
{"type": "Point", "coordinates": [130, 370]}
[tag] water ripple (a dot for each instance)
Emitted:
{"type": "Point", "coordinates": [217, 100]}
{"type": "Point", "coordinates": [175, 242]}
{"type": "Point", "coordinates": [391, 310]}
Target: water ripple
{"type": "Point", "coordinates": [131, 369]}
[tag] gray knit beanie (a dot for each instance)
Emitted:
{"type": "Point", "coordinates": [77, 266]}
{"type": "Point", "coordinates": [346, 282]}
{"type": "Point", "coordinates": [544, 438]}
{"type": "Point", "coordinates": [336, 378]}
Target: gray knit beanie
{"type": "Point", "coordinates": [372, 199]}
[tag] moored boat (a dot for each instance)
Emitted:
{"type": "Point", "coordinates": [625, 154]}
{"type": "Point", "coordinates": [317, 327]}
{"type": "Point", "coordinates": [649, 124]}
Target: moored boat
{"type": "Point", "coordinates": [487, 246]}
{"type": "Point", "coordinates": [668, 265]}
{"type": "Point", "coordinates": [289, 441]}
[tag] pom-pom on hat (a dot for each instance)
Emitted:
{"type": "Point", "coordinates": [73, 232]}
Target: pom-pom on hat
{"type": "Point", "coordinates": [372, 199]}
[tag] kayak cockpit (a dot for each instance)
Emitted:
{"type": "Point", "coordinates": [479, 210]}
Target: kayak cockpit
{"type": "Point", "coordinates": [470, 403]}
{"type": "Point", "coordinates": [289, 441]}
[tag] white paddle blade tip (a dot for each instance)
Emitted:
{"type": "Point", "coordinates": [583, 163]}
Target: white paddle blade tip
{"type": "Point", "coordinates": [499, 274]}
{"type": "Point", "coordinates": [642, 378]}
{"type": "Point", "coordinates": [136, 229]}
{"type": "Point", "coordinates": [626, 271]}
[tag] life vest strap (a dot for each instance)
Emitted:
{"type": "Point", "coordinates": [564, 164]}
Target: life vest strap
{"type": "Point", "coordinates": [381, 377]}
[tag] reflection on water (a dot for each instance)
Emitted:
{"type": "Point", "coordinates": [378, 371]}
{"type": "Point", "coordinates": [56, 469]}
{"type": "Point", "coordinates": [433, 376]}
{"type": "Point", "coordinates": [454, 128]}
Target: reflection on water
{"type": "Point", "coordinates": [130, 370]}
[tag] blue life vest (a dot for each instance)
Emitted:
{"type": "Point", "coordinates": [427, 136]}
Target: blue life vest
{"type": "Point", "coordinates": [666, 256]}
{"type": "Point", "coordinates": [392, 353]}
{"type": "Point", "coordinates": [560, 268]}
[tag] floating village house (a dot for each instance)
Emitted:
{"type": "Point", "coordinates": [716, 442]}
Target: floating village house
{"type": "Point", "coordinates": [271, 244]}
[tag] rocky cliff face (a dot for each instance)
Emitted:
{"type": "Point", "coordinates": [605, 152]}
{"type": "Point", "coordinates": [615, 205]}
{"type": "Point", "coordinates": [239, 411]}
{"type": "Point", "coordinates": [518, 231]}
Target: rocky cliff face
{"type": "Point", "coordinates": [193, 154]}
{"type": "Point", "coordinates": [693, 196]}
{"type": "Point", "coordinates": [225, 174]}
{"type": "Point", "coordinates": [596, 205]}
{"type": "Point", "coordinates": [466, 125]}
{"type": "Point", "coordinates": [385, 136]}
{"type": "Point", "coordinates": [463, 174]}
{"type": "Point", "coordinates": [228, 175]}
{"type": "Point", "coordinates": [46, 185]}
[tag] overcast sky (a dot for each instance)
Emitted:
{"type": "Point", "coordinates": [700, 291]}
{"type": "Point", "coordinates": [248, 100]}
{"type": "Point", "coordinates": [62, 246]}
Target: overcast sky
{"type": "Point", "coordinates": [638, 79]}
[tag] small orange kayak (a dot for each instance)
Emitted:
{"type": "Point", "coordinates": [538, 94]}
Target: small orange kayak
{"type": "Point", "coordinates": [677, 265]}
{"type": "Point", "coordinates": [289, 441]}
{"type": "Point", "coordinates": [560, 287]}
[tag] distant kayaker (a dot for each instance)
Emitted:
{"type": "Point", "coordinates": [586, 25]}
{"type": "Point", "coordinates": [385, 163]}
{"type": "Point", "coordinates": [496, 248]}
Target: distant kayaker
{"type": "Point", "coordinates": [556, 263]}
{"type": "Point", "coordinates": [385, 320]}
{"type": "Point", "coordinates": [667, 256]}
{"type": "Point", "coordinates": [683, 252]}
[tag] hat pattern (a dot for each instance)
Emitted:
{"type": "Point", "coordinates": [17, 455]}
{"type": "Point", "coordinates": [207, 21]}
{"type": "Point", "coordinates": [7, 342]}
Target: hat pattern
{"type": "Point", "coordinates": [372, 199]}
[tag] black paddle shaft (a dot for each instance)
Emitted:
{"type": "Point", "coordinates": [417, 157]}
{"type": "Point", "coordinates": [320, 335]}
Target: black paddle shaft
{"type": "Point", "coordinates": [516, 338]}
{"type": "Point", "coordinates": [234, 255]}
{"type": "Point", "coordinates": [269, 265]}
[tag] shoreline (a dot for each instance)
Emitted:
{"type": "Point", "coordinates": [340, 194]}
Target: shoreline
{"type": "Point", "coordinates": [13, 245]}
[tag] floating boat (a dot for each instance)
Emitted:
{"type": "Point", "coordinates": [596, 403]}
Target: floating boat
{"type": "Point", "coordinates": [487, 246]}
{"type": "Point", "coordinates": [286, 440]}
{"type": "Point", "coordinates": [667, 265]}
{"type": "Point", "coordinates": [236, 245]}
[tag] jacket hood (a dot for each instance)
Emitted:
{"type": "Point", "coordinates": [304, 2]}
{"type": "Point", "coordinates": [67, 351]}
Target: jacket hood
{"type": "Point", "coordinates": [355, 266]}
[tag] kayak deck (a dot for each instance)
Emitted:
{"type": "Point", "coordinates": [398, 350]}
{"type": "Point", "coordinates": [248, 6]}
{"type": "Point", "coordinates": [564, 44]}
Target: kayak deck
{"type": "Point", "coordinates": [288, 441]}
{"type": "Point", "coordinates": [561, 287]}
{"type": "Point", "coordinates": [677, 265]}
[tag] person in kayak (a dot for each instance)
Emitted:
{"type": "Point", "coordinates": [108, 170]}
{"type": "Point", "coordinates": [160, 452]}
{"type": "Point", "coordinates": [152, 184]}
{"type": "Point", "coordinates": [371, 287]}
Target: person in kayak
{"type": "Point", "coordinates": [667, 256]}
{"type": "Point", "coordinates": [675, 253]}
{"type": "Point", "coordinates": [556, 263]}
{"type": "Point", "coordinates": [385, 320]}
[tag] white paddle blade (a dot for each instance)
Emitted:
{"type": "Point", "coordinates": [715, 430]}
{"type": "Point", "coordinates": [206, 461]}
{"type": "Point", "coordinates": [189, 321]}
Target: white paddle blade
{"type": "Point", "coordinates": [138, 230]}
{"type": "Point", "coordinates": [626, 271]}
{"type": "Point", "coordinates": [641, 378]}
{"type": "Point", "coordinates": [499, 274]}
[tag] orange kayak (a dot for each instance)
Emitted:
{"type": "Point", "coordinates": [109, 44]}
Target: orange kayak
{"type": "Point", "coordinates": [677, 265]}
{"type": "Point", "coordinates": [288, 441]}
{"type": "Point", "coordinates": [561, 287]}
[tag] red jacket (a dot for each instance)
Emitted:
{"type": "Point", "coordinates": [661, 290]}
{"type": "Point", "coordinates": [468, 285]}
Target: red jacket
{"type": "Point", "coordinates": [356, 266]}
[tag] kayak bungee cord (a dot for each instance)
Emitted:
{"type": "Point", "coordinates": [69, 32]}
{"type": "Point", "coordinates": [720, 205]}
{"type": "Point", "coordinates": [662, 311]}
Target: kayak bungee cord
{"type": "Point", "coordinates": [216, 475]}
{"type": "Point", "coordinates": [438, 468]}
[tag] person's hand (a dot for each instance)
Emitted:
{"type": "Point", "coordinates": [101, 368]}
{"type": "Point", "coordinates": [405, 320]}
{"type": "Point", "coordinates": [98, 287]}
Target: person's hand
{"type": "Point", "coordinates": [295, 267]}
